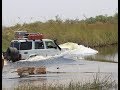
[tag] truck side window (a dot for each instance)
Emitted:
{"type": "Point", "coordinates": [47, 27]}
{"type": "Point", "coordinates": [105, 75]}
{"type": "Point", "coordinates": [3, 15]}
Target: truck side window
{"type": "Point", "coordinates": [15, 45]}
{"type": "Point", "coordinates": [39, 45]}
{"type": "Point", "coordinates": [50, 44]}
{"type": "Point", "coordinates": [26, 45]}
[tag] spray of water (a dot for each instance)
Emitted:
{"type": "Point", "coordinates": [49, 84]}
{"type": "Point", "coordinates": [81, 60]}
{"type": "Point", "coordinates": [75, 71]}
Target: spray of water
{"type": "Point", "coordinates": [73, 51]}
{"type": "Point", "coordinates": [77, 51]}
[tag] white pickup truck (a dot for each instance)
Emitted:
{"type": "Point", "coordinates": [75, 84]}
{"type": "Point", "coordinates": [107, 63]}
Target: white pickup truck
{"type": "Point", "coordinates": [26, 45]}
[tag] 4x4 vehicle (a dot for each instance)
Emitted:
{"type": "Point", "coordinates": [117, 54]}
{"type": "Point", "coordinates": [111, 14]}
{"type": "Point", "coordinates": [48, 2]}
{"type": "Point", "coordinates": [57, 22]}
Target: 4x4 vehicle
{"type": "Point", "coordinates": [26, 45]}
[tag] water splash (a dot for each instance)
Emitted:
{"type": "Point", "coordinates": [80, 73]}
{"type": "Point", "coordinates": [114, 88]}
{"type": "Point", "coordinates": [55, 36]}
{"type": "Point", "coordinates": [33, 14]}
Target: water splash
{"type": "Point", "coordinates": [77, 51]}
{"type": "Point", "coordinates": [73, 50]}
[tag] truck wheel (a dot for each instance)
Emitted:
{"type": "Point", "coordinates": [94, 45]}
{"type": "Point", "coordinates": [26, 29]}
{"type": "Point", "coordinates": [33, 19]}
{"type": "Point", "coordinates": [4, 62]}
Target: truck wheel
{"type": "Point", "coordinates": [12, 54]}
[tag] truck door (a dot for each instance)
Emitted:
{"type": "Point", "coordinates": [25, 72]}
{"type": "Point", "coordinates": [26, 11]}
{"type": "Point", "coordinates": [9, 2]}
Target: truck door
{"type": "Point", "coordinates": [39, 48]}
{"type": "Point", "coordinates": [51, 48]}
{"type": "Point", "coordinates": [25, 49]}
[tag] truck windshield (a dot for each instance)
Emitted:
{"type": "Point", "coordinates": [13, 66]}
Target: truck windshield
{"type": "Point", "coordinates": [50, 44]}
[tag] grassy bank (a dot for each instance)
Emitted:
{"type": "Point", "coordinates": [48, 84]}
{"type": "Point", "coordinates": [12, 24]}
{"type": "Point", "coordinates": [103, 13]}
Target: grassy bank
{"type": "Point", "coordinates": [106, 83]}
{"type": "Point", "coordinates": [98, 31]}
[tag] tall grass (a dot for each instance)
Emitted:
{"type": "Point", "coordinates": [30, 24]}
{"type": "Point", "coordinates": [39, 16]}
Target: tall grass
{"type": "Point", "coordinates": [106, 83]}
{"type": "Point", "coordinates": [81, 32]}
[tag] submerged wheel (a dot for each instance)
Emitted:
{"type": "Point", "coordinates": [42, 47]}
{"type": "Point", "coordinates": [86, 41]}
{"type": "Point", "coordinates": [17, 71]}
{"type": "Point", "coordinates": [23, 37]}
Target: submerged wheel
{"type": "Point", "coordinates": [12, 54]}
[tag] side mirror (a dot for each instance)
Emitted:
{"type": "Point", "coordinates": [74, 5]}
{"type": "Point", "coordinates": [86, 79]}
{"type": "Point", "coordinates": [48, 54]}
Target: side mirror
{"type": "Point", "coordinates": [55, 40]}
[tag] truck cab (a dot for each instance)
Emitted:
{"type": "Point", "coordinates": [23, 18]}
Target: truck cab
{"type": "Point", "coordinates": [26, 46]}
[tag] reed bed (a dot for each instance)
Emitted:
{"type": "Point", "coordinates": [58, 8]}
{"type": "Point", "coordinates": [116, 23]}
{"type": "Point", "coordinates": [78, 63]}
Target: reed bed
{"type": "Point", "coordinates": [93, 34]}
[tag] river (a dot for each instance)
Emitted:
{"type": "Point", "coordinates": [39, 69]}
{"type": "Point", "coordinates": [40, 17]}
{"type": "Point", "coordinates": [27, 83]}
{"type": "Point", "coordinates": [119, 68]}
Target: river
{"type": "Point", "coordinates": [70, 69]}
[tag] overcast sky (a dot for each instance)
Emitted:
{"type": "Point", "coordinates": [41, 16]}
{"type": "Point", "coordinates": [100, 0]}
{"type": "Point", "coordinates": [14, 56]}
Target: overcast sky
{"type": "Point", "coordinates": [25, 11]}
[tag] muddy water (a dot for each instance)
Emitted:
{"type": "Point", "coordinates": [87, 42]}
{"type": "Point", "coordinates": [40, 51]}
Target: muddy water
{"type": "Point", "coordinates": [109, 53]}
{"type": "Point", "coordinates": [70, 69]}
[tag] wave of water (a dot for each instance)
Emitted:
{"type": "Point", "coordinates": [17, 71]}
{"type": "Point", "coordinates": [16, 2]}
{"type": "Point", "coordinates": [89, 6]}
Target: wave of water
{"type": "Point", "coordinates": [78, 51]}
{"type": "Point", "coordinates": [73, 51]}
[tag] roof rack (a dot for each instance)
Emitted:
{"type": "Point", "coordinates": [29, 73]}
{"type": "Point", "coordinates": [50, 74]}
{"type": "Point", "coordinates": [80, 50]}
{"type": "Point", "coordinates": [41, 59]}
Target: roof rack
{"type": "Point", "coordinates": [30, 36]}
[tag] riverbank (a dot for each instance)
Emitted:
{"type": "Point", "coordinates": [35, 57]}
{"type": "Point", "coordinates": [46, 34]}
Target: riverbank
{"type": "Point", "coordinates": [102, 32]}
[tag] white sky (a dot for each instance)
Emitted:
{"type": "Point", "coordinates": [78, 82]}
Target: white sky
{"type": "Point", "coordinates": [25, 11]}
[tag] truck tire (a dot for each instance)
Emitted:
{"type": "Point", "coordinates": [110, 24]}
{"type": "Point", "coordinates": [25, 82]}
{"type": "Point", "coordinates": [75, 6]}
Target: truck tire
{"type": "Point", "coordinates": [12, 54]}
